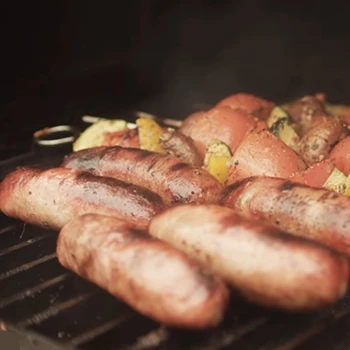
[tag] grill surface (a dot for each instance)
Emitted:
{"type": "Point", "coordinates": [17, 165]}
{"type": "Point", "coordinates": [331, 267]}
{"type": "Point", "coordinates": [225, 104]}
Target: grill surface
{"type": "Point", "coordinates": [51, 308]}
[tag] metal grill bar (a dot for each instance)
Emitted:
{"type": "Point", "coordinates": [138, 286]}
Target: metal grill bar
{"type": "Point", "coordinates": [310, 332]}
{"type": "Point", "coordinates": [229, 337]}
{"type": "Point", "coordinates": [26, 266]}
{"type": "Point", "coordinates": [153, 339]}
{"type": "Point", "coordinates": [56, 309]}
{"type": "Point", "coordinates": [21, 245]}
{"type": "Point", "coordinates": [8, 228]}
{"type": "Point", "coordinates": [101, 329]}
{"type": "Point", "coordinates": [31, 292]}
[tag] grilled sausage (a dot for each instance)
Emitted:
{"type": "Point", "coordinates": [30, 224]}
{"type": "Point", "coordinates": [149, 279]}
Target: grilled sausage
{"type": "Point", "coordinates": [174, 181]}
{"type": "Point", "coordinates": [266, 266]}
{"type": "Point", "coordinates": [319, 139]}
{"type": "Point", "coordinates": [315, 213]}
{"type": "Point", "coordinates": [149, 275]}
{"type": "Point", "coordinates": [304, 110]}
{"type": "Point", "coordinates": [51, 198]}
{"type": "Point", "coordinates": [181, 147]}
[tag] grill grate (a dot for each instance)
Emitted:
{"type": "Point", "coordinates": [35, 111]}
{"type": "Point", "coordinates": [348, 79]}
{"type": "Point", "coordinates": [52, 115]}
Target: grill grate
{"type": "Point", "coordinates": [48, 305]}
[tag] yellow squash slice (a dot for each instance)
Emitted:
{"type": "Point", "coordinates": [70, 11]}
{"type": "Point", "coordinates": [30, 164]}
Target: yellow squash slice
{"type": "Point", "coordinates": [280, 125]}
{"type": "Point", "coordinates": [94, 135]}
{"type": "Point", "coordinates": [149, 135]}
{"type": "Point", "coordinates": [216, 160]}
{"type": "Point", "coordinates": [337, 181]}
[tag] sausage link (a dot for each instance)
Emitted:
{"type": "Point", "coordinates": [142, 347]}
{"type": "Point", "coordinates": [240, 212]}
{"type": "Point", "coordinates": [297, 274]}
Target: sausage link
{"type": "Point", "coordinates": [319, 139]}
{"type": "Point", "coordinates": [51, 198]}
{"type": "Point", "coordinates": [173, 180]}
{"type": "Point", "coordinates": [266, 266]}
{"type": "Point", "coordinates": [314, 213]}
{"type": "Point", "coordinates": [149, 275]}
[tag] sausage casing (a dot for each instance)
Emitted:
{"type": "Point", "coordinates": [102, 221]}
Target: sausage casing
{"type": "Point", "coordinates": [173, 180]}
{"type": "Point", "coordinates": [315, 213]}
{"type": "Point", "coordinates": [266, 266]}
{"type": "Point", "coordinates": [51, 198]}
{"type": "Point", "coordinates": [150, 275]}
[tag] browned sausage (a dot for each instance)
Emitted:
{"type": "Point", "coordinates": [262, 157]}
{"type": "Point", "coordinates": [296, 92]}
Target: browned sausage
{"type": "Point", "coordinates": [265, 265]}
{"type": "Point", "coordinates": [149, 275]}
{"type": "Point", "coordinates": [174, 181]}
{"type": "Point", "coordinates": [315, 213]}
{"type": "Point", "coordinates": [304, 110]}
{"type": "Point", "coordinates": [316, 144]}
{"type": "Point", "coordinates": [181, 147]}
{"type": "Point", "coordinates": [51, 198]}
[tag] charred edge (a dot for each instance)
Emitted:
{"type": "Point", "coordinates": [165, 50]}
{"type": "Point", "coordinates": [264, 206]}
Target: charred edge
{"type": "Point", "coordinates": [278, 125]}
{"type": "Point", "coordinates": [286, 238]}
{"type": "Point", "coordinates": [288, 185]}
{"type": "Point", "coordinates": [153, 162]}
{"type": "Point", "coordinates": [85, 176]}
{"type": "Point", "coordinates": [141, 155]}
{"type": "Point", "coordinates": [228, 190]}
{"type": "Point", "coordinates": [179, 166]}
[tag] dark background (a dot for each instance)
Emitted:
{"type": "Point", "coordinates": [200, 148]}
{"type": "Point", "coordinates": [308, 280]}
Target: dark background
{"type": "Point", "coordinates": [61, 59]}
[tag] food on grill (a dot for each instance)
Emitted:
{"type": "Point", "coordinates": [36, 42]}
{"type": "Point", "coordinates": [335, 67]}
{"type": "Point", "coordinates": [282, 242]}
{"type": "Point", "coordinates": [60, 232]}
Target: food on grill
{"type": "Point", "coordinates": [149, 135]}
{"type": "Point", "coordinates": [150, 275]}
{"type": "Point", "coordinates": [322, 135]}
{"type": "Point", "coordinates": [181, 147]}
{"type": "Point", "coordinates": [266, 266]}
{"type": "Point", "coordinates": [51, 198]}
{"type": "Point", "coordinates": [221, 123]}
{"type": "Point", "coordinates": [315, 213]}
{"type": "Point", "coordinates": [173, 180]}
{"type": "Point", "coordinates": [286, 166]}
{"type": "Point", "coordinates": [253, 105]}
{"type": "Point", "coordinates": [217, 158]}
{"type": "Point", "coordinates": [95, 134]}
{"type": "Point", "coordinates": [263, 154]}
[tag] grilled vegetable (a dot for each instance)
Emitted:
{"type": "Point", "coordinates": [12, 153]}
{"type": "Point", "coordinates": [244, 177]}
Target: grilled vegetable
{"type": "Point", "coordinates": [263, 154]}
{"type": "Point", "coordinates": [338, 182]}
{"type": "Point", "coordinates": [95, 134]}
{"type": "Point", "coordinates": [149, 135]}
{"type": "Point", "coordinates": [315, 175]}
{"type": "Point", "coordinates": [221, 123]}
{"type": "Point", "coordinates": [280, 124]}
{"type": "Point", "coordinates": [217, 159]}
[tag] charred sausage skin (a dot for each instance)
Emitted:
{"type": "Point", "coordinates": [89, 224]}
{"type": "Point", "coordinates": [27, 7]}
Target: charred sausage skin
{"type": "Point", "coordinates": [173, 180]}
{"type": "Point", "coordinates": [149, 275]}
{"type": "Point", "coordinates": [266, 266]}
{"type": "Point", "coordinates": [315, 213]}
{"type": "Point", "coordinates": [51, 198]}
